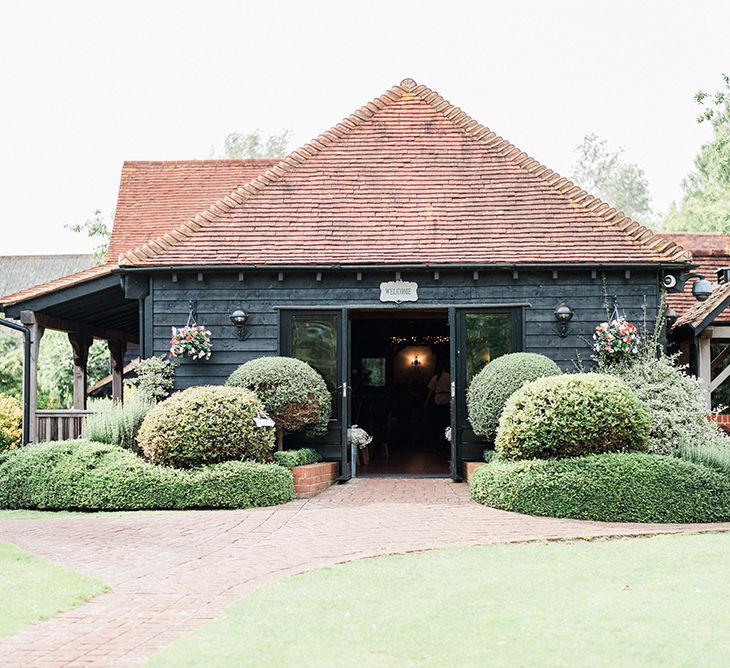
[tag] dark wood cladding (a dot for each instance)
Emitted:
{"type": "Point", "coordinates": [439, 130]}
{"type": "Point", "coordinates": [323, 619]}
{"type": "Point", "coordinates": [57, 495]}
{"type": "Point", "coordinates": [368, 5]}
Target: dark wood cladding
{"type": "Point", "coordinates": [262, 294]}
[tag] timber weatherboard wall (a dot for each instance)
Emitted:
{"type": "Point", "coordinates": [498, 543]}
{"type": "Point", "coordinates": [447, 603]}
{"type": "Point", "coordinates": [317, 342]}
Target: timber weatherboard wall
{"type": "Point", "coordinates": [261, 293]}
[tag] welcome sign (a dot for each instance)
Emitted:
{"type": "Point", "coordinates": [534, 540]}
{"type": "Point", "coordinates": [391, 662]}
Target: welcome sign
{"type": "Point", "coordinates": [399, 291]}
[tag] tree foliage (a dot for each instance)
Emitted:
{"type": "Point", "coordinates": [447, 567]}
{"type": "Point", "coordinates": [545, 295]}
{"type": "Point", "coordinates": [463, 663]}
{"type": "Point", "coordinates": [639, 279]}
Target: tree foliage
{"type": "Point", "coordinates": [603, 172]}
{"type": "Point", "coordinates": [239, 146]}
{"type": "Point", "coordinates": [95, 227]}
{"type": "Point", "coordinates": [705, 206]}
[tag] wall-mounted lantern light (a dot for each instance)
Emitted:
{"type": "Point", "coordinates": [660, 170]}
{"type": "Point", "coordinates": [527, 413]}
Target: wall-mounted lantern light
{"type": "Point", "coordinates": [240, 319]}
{"type": "Point", "coordinates": [416, 361]}
{"type": "Point", "coordinates": [563, 314]}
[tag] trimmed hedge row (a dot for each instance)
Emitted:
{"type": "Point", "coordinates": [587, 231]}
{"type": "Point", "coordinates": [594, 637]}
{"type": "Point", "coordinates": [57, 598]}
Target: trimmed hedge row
{"type": "Point", "coordinates": [83, 475]}
{"type": "Point", "coordinates": [613, 487]}
{"type": "Point", "coordinates": [301, 457]}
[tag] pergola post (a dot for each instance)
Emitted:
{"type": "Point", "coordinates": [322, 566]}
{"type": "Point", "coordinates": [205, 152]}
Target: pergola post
{"type": "Point", "coordinates": [36, 334]}
{"type": "Point", "coordinates": [80, 343]}
{"type": "Point", "coordinates": [117, 349]}
{"type": "Point", "coordinates": [704, 364]}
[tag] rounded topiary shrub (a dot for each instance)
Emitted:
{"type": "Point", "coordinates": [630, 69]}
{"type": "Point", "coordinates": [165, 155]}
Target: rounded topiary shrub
{"type": "Point", "coordinates": [205, 425]}
{"type": "Point", "coordinates": [493, 385]}
{"type": "Point", "coordinates": [83, 475]}
{"type": "Point", "coordinates": [293, 393]}
{"type": "Point", "coordinates": [613, 487]}
{"type": "Point", "coordinates": [570, 416]}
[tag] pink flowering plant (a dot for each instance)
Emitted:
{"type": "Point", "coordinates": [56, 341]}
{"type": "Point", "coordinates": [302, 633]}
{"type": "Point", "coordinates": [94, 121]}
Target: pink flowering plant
{"type": "Point", "coordinates": [191, 341]}
{"type": "Point", "coordinates": [616, 339]}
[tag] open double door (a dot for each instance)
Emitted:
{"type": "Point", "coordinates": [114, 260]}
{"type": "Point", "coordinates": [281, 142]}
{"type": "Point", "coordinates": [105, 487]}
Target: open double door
{"type": "Point", "coordinates": [323, 338]}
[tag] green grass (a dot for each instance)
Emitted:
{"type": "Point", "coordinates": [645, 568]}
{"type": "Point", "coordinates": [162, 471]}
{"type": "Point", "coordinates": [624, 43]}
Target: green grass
{"type": "Point", "coordinates": [32, 589]}
{"type": "Point", "coordinates": [640, 602]}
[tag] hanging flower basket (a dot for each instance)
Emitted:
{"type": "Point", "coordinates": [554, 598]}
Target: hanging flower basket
{"type": "Point", "coordinates": [616, 339]}
{"type": "Point", "coordinates": [191, 341]}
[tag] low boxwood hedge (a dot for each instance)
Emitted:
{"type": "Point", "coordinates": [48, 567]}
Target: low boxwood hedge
{"type": "Point", "coordinates": [613, 487]}
{"type": "Point", "coordinates": [301, 457]}
{"type": "Point", "coordinates": [83, 475]}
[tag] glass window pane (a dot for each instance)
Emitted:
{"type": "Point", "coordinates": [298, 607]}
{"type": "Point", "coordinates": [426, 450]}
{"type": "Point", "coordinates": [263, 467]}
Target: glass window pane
{"type": "Point", "coordinates": [314, 340]}
{"type": "Point", "coordinates": [488, 335]}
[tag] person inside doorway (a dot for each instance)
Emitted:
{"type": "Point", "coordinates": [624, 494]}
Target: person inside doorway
{"type": "Point", "coordinates": [439, 393]}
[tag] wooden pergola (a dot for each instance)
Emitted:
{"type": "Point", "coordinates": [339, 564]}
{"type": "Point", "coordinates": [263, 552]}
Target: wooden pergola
{"type": "Point", "coordinates": [85, 311]}
{"type": "Point", "coordinates": [696, 331]}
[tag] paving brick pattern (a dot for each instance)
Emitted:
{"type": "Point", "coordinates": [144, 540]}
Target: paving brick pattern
{"type": "Point", "coordinates": [170, 572]}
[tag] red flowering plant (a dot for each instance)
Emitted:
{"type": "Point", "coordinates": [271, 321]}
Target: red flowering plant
{"type": "Point", "coordinates": [191, 341]}
{"type": "Point", "coordinates": [616, 339]}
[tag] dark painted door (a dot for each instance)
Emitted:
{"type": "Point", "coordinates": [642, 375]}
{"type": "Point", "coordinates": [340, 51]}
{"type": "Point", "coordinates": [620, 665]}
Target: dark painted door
{"type": "Point", "coordinates": [319, 338]}
{"type": "Point", "coordinates": [478, 336]}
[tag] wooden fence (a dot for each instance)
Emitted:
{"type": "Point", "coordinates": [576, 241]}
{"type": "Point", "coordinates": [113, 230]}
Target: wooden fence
{"type": "Point", "coordinates": [60, 425]}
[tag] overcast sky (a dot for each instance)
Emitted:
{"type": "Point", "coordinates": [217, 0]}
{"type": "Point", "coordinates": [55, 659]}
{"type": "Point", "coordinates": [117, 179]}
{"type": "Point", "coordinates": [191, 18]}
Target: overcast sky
{"type": "Point", "coordinates": [86, 85]}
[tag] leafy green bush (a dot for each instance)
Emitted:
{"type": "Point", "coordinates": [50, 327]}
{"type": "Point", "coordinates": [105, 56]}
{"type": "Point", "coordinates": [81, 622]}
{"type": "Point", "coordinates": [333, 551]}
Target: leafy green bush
{"type": "Point", "coordinates": [294, 394]}
{"type": "Point", "coordinates": [301, 457]}
{"type": "Point", "coordinates": [493, 385]}
{"type": "Point", "coordinates": [570, 416]}
{"type": "Point", "coordinates": [116, 424]}
{"type": "Point", "coordinates": [11, 423]}
{"type": "Point", "coordinates": [613, 487]}
{"type": "Point", "coordinates": [82, 475]}
{"type": "Point", "coordinates": [714, 454]}
{"type": "Point", "coordinates": [206, 425]}
{"type": "Point", "coordinates": [675, 402]}
{"type": "Point", "coordinates": [155, 378]}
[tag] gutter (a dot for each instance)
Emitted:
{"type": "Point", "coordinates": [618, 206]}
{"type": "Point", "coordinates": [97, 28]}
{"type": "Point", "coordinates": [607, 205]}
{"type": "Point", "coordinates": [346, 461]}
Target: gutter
{"type": "Point", "coordinates": [25, 331]}
{"type": "Point", "coordinates": [402, 267]}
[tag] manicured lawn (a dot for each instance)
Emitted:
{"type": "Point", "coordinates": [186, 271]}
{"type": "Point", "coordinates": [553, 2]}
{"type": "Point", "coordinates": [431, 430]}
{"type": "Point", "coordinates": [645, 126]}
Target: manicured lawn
{"type": "Point", "coordinates": [32, 589]}
{"type": "Point", "coordinates": [639, 602]}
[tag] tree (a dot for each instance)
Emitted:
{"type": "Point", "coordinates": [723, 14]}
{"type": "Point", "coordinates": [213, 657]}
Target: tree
{"type": "Point", "coordinates": [95, 227]}
{"type": "Point", "coordinates": [238, 146]}
{"type": "Point", "coordinates": [11, 365]}
{"type": "Point", "coordinates": [705, 206]}
{"type": "Point", "coordinates": [604, 173]}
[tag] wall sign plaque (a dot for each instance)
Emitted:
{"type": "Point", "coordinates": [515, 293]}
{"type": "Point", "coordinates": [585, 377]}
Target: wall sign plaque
{"type": "Point", "coordinates": [399, 291]}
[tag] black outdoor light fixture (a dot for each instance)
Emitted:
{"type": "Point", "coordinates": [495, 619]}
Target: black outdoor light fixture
{"type": "Point", "coordinates": [563, 314]}
{"type": "Point", "coordinates": [701, 288]}
{"type": "Point", "coordinates": [240, 319]}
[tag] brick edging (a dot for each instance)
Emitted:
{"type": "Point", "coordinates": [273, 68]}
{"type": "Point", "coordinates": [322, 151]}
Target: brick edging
{"type": "Point", "coordinates": [311, 479]}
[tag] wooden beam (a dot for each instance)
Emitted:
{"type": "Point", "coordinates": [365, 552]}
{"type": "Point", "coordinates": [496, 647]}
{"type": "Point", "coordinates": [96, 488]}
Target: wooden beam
{"type": "Point", "coordinates": [721, 357]}
{"type": "Point", "coordinates": [117, 350]}
{"type": "Point", "coordinates": [720, 379]}
{"type": "Point", "coordinates": [719, 332]}
{"type": "Point", "coordinates": [80, 344]}
{"type": "Point", "coordinates": [49, 322]}
{"type": "Point", "coordinates": [705, 369]}
{"type": "Point", "coordinates": [36, 334]}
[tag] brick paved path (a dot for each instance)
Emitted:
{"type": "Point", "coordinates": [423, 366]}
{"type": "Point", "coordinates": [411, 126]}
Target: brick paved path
{"type": "Point", "coordinates": [172, 571]}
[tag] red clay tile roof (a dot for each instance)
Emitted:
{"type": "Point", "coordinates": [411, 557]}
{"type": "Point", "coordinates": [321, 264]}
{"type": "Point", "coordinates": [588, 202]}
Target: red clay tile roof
{"type": "Point", "coordinates": [408, 178]}
{"type": "Point", "coordinates": [157, 197]}
{"type": "Point", "coordinates": [710, 252]}
{"type": "Point", "coordinates": [696, 315]}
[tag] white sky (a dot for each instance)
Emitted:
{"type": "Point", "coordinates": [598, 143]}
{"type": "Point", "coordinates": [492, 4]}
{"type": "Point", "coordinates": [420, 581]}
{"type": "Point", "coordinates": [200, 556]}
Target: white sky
{"type": "Point", "coordinates": [86, 85]}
